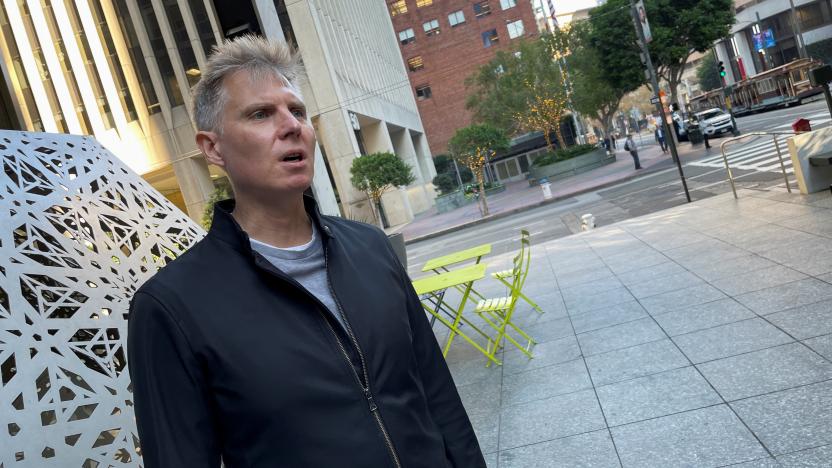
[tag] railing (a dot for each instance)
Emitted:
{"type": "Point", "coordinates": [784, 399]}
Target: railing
{"type": "Point", "coordinates": [774, 135]}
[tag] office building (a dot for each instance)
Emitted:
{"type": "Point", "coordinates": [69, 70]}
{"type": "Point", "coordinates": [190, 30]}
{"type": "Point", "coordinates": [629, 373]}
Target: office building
{"type": "Point", "coordinates": [122, 71]}
{"type": "Point", "coordinates": [445, 41]}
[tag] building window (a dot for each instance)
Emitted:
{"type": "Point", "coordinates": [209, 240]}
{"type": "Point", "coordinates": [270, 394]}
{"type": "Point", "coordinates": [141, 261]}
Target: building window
{"type": "Point", "coordinates": [506, 4]}
{"type": "Point", "coordinates": [482, 9]}
{"type": "Point", "coordinates": [157, 43]}
{"type": "Point", "coordinates": [113, 61]}
{"type": "Point", "coordinates": [415, 63]}
{"type": "Point", "coordinates": [423, 92]}
{"type": "Point", "coordinates": [515, 29]}
{"type": "Point", "coordinates": [398, 8]}
{"type": "Point", "coordinates": [423, 3]}
{"type": "Point", "coordinates": [490, 37]}
{"type": "Point", "coordinates": [406, 36]}
{"type": "Point", "coordinates": [137, 58]}
{"type": "Point", "coordinates": [431, 27]}
{"type": "Point", "coordinates": [455, 18]}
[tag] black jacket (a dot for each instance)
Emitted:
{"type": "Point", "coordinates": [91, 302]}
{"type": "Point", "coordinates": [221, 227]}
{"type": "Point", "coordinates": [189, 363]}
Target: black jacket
{"type": "Point", "coordinates": [231, 358]}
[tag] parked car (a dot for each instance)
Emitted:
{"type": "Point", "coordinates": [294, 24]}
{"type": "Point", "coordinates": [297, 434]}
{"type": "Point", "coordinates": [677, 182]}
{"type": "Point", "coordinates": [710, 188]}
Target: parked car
{"type": "Point", "coordinates": [715, 121]}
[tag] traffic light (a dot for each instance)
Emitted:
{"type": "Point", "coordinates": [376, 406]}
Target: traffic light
{"type": "Point", "coordinates": [721, 69]}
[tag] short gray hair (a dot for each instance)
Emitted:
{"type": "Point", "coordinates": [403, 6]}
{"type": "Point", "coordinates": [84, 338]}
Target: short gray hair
{"type": "Point", "coordinates": [257, 55]}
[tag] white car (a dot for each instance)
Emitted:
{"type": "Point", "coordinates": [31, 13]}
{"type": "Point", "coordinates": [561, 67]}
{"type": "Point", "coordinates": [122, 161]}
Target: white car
{"type": "Point", "coordinates": [714, 121]}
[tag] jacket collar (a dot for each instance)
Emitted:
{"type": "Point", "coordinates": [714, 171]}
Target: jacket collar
{"type": "Point", "coordinates": [226, 228]}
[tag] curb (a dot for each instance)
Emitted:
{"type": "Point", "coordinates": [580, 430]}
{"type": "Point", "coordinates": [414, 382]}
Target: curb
{"type": "Point", "coordinates": [520, 209]}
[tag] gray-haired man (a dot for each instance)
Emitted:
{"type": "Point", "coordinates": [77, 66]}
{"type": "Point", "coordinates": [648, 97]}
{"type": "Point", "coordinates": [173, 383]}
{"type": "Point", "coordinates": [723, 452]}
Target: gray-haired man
{"type": "Point", "coordinates": [285, 338]}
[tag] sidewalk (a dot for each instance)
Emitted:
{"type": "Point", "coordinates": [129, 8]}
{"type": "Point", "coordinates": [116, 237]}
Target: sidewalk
{"type": "Point", "coordinates": [699, 336]}
{"type": "Point", "coordinates": [520, 196]}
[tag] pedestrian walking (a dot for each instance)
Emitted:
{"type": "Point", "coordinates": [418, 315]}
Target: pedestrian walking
{"type": "Point", "coordinates": [630, 145]}
{"type": "Point", "coordinates": [660, 139]}
{"type": "Point", "coordinates": [284, 337]}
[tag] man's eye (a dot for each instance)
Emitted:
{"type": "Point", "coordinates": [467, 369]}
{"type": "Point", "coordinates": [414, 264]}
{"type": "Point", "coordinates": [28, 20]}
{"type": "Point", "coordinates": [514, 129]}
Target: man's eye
{"type": "Point", "coordinates": [259, 115]}
{"type": "Point", "coordinates": [299, 113]}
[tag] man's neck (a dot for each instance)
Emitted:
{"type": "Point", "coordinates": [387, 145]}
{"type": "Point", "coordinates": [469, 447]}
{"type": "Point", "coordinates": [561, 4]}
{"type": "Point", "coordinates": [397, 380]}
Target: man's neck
{"type": "Point", "coordinates": [279, 224]}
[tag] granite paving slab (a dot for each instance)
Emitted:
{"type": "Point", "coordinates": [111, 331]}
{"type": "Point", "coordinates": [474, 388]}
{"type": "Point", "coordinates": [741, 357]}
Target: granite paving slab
{"type": "Point", "coordinates": [821, 345]}
{"type": "Point", "coordinates": [786, 296]}
{"type": "Point", "coordinates": [710, 436]}
{"type": "Point", "coordinates": [594, 301]}
{"type": "Point", "coordinates": [637, 361]}
{"type": "Point", "coordinates": [805, 321]}
{"type": "Point", "coordinates": [682, 298]}
{"type": "Point", "coordinates": [702, 316]}
{"type": "Point", "coordinates": [665, 284]}
{"type": "Point", "coordinates": [601, 318]}
{"type": "Point", "coordinates": [669, 392]}
{"type": "Point", "coordinates": [661, 270]}
{"type": "Point", "coordinates": [819, 457]}
{"type": "Point", "coordinates": [758, 279]}
{"type": "Point", "coordinates": [790, 420]}
{"type": "Point", "coordinates": [542, 420]}
{"type": "Point", "coordinates": [545, 354]}
{"type": "Point", "coordinates": [545, 382]}
{"type": "Point", "coordinates": [730, 339]}
{"type": "Point", "coordinates": [620, 336]}
{"type": "Point", "coordinates": [737, 266]}
{"type": "Point", "coordinates": [766, 371]}
{"type": "Point", "coordinates": [593, 449]}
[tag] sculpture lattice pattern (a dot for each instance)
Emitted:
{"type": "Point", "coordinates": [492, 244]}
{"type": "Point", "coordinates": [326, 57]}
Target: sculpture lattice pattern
{"type": "Point", "coordinates": [79, 233]}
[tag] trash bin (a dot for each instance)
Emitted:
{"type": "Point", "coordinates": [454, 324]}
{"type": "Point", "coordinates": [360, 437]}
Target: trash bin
{"type": "Point", "coordinates": [695, 135]}
{"type": "Point", "coordinates": [546, 187]}
{"type": "Point", "coordinates": [801, 125]}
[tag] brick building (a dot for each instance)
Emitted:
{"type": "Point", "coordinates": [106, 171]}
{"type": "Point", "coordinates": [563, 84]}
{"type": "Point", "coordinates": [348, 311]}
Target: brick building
{"type": "Point", "coordinates": [445, 41]}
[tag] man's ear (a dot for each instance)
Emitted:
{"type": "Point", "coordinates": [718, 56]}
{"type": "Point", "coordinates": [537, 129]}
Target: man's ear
{"type": "Point", "coordinates": [208, 143]}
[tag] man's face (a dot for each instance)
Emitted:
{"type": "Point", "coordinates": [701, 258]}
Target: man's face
{"type": "Point", "coordinates": [267, 144]}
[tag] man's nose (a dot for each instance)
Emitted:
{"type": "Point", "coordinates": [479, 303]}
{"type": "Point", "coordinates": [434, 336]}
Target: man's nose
{"type": "Point", "coordinates": [289, 125]}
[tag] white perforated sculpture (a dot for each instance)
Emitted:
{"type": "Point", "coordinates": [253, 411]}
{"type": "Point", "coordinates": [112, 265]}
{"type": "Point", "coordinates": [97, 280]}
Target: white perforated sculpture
{"type": "Point", "coordinates": [79, 233]}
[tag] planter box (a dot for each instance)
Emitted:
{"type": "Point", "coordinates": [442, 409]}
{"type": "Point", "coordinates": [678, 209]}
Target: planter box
{"type": "Point", "coordinates": [563, 169]}
{"type": "Point", "coordinates": [451, 201]}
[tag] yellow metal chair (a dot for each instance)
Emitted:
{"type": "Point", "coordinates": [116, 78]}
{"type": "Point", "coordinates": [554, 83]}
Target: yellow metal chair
{"type": "Point", "coordinates": [498, 311]}
{"type": "Point", "coordinates": [505, 276]}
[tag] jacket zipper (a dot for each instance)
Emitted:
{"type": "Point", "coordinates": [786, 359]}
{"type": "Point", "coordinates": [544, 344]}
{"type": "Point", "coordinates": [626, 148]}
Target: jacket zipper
{"type": "Point", "coordinates": [365, 385]}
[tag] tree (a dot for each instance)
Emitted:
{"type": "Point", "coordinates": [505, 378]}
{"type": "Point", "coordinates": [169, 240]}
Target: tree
{"type": "Point", "coordinates": [681, 27]}
{"type": "Point", "coordinates": [473, 146]}
{"type": "Point", "coordinates": [376, 173]}
{"type": "Point", "coordinates": [222, 191]}
{"type": "Point", "coordinates": [545, 111]}
{"type": "Point", "coordinates": [503, 89]}
{"type": "Point", "coordinates": [707, 73]}
{"type": "Point", "coordinates": [603, 63]}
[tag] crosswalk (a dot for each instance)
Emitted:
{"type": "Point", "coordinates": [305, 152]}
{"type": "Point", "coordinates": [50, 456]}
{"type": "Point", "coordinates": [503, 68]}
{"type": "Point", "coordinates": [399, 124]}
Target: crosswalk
{"type": "Point", "coordinates": [756, 155]}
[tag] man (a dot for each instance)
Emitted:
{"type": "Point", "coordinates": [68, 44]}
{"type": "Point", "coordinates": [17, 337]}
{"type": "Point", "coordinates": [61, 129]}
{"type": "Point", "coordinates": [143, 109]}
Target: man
{"type": "Point", "coordinates": [659, 134]}
{"type": "Point", "coordinates": [630, 145]}
{"type": "Point", "coordinates": [284, 338]}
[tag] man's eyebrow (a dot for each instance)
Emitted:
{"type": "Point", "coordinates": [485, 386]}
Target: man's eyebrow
{"type": "Point", "coordinates": [256, 106]}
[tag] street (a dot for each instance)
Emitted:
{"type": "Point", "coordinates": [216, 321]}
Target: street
{"type": "Point", "coordinates": [753, 160]}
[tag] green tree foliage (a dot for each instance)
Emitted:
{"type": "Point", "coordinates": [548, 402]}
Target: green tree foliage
{"type": "Point", "coordinates": [681, 27]}
{"type": "Point", "coordinates": [473, 146]}
{"type": "Point", "coordinates": [376, 173]}
{"type": "Point", "coordinates": [446, 180]}
{"type": "Point", "coordinates": [502, 89]}
{"type": "Point", "coordinates": [222, 191]}
{"type": "Point", "coordinates": [603, 63]}
{"type": "Point", "coordinates": [707, 73]}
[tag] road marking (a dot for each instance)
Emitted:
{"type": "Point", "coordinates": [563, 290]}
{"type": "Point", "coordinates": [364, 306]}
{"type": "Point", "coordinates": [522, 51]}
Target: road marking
{"type": "Point", "coordinates": [758, 156]}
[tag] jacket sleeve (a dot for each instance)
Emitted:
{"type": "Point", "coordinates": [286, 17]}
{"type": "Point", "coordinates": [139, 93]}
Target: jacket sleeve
{"type": "Point", "coordinates": [170, 395]}
{"type": "Point", "coordinates": [444, 403]}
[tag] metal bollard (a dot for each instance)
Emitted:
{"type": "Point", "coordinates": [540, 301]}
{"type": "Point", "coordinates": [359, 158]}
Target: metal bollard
{"type": "Point", "coordinates": [587, 222]}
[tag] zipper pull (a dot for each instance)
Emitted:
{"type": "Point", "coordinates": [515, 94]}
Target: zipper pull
{"type": "Point", "coordinates": [370, 400]}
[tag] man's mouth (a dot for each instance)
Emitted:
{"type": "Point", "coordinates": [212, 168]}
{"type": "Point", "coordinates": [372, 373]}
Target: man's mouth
{"type": "Point", "coordinates": [293, 157]}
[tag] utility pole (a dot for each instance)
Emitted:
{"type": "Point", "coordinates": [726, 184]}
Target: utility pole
{"type": "Point", "coordinates": [801, 46]}
{"type": "Point", "coordinates": [655, 84]}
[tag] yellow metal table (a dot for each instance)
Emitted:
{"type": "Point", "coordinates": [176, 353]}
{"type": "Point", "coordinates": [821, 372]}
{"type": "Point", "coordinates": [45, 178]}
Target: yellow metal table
{"type": "Point", "coordinates": [440, 265]}
{"type": "Point", "coordinates": [435, 286]}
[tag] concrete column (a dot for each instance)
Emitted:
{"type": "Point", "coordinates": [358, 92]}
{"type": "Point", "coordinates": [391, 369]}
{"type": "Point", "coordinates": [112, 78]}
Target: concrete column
{"type": "Point", "coordinates": [420, 143]}
{"type": "Point", "coordinates": [336, 135]}
{"type": "Point", "coordinates": [322, 188]}
{"type": "Point", "coordinates": [195, 184]}
{"type": "Point", "coordinates": [269, 21]}
{"type": "Point", "coordinates": [377, 137]}
{"type": "Point", "coordinates": [405, 150]}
